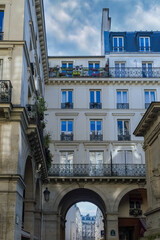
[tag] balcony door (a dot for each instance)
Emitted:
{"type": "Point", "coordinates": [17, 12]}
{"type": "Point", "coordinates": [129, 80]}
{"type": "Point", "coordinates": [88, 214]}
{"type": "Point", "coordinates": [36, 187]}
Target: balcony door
{"type": "Point", "coordinates": [96, 163]}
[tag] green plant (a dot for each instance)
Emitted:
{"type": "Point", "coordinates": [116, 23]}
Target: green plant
{"type": "Point", "coordinates": [47, 140]}
{"type": "Point", "coordinates": [41, 104]}
{"type": "Point", "coordinates": [48, 158]}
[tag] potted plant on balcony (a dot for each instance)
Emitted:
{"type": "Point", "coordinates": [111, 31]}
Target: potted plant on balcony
{"type": "Point", "coordinates": [49, 156]}
{"type": "Point", "coordinates": [41, 105]}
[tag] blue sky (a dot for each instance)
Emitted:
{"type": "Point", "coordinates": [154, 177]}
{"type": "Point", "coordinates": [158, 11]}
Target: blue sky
{"type": "Point", "coordinates": [73, 26]}
{"type": "Point", "coordinates": [87, 208]}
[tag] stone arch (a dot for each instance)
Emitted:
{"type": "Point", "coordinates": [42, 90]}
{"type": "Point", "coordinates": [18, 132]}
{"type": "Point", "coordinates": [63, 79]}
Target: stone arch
{"type": "Point", "coordinates": [74, 196]}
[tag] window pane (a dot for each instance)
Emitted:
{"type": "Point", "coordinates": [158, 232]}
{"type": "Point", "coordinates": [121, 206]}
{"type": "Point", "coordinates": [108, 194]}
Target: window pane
{"type": "Point", "coordinates": [92, 125]}
{"type": "Point", "coordinates": [90, 65]}
{"type": "Point", "coordinates": [119, 97]}
{"type": "Point", "coordinates": [115, 42]}
{"type": "Point", "coordinates": [92, 157]}
{"type": "Point", "coordinates": [124, 97]}
{"type": "Point", "coordinates": [152, 96]}
{"type": "Point", "coordinates": [1, 20]}
{"type": "Point", "coordinates": [120, 44]}
{"type": "Point", "coordinates": [98, 96]}
{"type": "Point", "coordinates": [63, 126]}
{"type": "Point", "coordinates": [147, 97]}
{"type": "Point", "coordinates": [92, 96]}
{"type": "Point", "coordinates": [98, 125]}
{"type": "Point", "coordinates": [99, 157]}
{"type": "Point", "coordinates": [70, 65]}
{"type": "Point", "coordinates": [97, 65]}
{"type": "Point", "coordinates": [64, 65]}
{"type": "Point", "coordinates": [147, 44]}
{"type": "Point", "coordinates": [126, 127]}
{"type": "Point", "coordinates": [63, 158]}
{"type": "Point", "coordinates": [142, 44]}
{"type": "Point", "coordinates": [120, 128]}
{"type": "Point", "coordinates": [64, 97]}
{"type": "Point", "coordinates": [70, 96]}
{"type": "Point", "coordinates": [70, 126]}
{"type": "Point", "coordinates": [70, 157]}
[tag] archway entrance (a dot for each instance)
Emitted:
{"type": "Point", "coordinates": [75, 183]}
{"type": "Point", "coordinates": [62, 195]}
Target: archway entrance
{"type": "Point", "coordinates": [75, 196]}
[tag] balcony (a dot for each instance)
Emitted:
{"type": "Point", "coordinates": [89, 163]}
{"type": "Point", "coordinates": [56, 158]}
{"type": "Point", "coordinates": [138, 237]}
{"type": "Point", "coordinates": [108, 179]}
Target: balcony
{"type": "Point", "coordinates": [96, 136]}
{"type": "Point", "coordinates": [107, 72]}
{"type": "Point", "coordinates": [122, 105]}
{"type": "Point", "coordinates": [67, 105]}
{"type": "Point", "coordinates": [66, 136]}
{"type": "Point", "coordinates": [5, 91]}
{"type": "Point", "coordinates": [95, 105]}
{"type": "Point", "coordinates": [125, 137]}
{"type": "Point", "coordinates": [96, 170]}
{"type": "Point", "coordinates": [36, 138]}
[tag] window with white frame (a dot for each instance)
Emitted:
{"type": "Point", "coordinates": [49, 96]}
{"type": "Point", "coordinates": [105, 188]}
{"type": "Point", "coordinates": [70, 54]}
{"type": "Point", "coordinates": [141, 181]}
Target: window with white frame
{"type": "Point", "coordinates": [96, 163]}
{"type": "Point", "coordinates": [67, 130]}
{"type": "Point", "coordinates": [124, 156]}
{"type": "Point", "coordinates": [122, 99]}
{"type": "Point", "coordinates": [67, 101]}
{"type": "Point", "coordinates": [150, 96]}
{"type": "Point", "coordinates": [119, 69]}
{"type": "Point", "coordinates": [118, 44]}
{"type": "Point", "coordinates": [95, 99]}
{"type": "Point", "coordinates": [123, 130]}
{"type": "Point", "coordinates": [67, 68]}
{"type": "Point", "coordinates": [144, 43]}
{"type": "Point", "coordinates": [66, 163]}
{"type": "Point", "coordinates": [93, 68]}
{"type": "Point", "coordinates": [1, 23]}
{"type": "Point", "coordinates": [96, 130]}
{"type": "Point", "coordinates": [147, 69]}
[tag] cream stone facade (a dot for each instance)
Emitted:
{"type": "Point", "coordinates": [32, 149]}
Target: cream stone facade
{"type": "Point", "coordinates": [24, 69]}
{"type": "Point", "coordinates": [149, 127]}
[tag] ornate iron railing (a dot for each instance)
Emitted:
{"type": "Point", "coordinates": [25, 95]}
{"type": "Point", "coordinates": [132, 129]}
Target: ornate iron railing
{"type": "Point", "coordinates": [98, 170]}
{"type": "Point", "coordinates": [67, 105]}
{"type": "Point", "coordinates": [5, 91]}
{"type": "Point", "coordinates": [96, 136]}
{"type": "Point", "coordinates": [66, 136]}
{"type": "Point", "coordinates": [95, 105]}
{"type": "Point", "coordinates": [107, 72]}
{"type": "Point", "coordinates": [122, 105]}
{"type": "Point", "coordinates": [125, 137]}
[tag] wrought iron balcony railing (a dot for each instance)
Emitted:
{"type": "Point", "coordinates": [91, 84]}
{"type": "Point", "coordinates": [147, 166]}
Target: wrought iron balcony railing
{"type": "Point", "coordinates": [66, 136]}
{"type": "Point", "coordinates": [5, 91]}
{"type": "Point", "coordinates": [67, 105]}
{"type": "Point", "coordinates": [125, 137]}
{"type": "Point", "coordinates": [107, 72]}
{"type": "Point", "coordinates": [122, 105]}
{"type": "Point", "coordinates": [96, 136]}
{"type": "Point", "coordinates": [95, 105]}
{"type": "Point", "coordinates": [98, 170]}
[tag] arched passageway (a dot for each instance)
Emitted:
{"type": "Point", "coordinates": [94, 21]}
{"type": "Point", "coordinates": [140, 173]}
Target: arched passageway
{"type": "Point", "coordinates": [75, 196]}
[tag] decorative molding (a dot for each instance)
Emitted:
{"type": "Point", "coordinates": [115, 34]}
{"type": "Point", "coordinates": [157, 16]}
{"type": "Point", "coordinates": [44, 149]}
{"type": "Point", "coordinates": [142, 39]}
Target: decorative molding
{"type": "Point", "coordinates": [70, 114]}
{"type": "Point", "coordinates": [123, 114]}
{"type": "Point", "coordinates": [92, 114]}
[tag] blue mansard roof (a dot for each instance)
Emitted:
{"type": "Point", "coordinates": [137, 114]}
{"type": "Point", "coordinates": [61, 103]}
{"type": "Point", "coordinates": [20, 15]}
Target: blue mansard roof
{"type": "Point", "coordinates": [140, 41]}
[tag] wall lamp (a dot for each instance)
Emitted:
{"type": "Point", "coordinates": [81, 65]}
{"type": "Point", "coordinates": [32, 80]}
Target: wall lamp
{"type": "Point", "coordinates": [46, 194]}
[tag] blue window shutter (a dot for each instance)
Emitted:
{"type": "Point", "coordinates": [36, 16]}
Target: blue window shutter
{"type": "Point", "coordinates": [120, 45]}
{"type": "Point", "coordinates": [119, 97]}
{"type": "Point", "coordinates": [70, 126]}
{"type": "Point", "coordinates": [70, 96]}
{"type": "Point", "coordinates": [64, 97]}
{"type": "Point", "coordinates": [63, 126]}
{"type": "Point", "coordinates": [98, 125]}
{"type": "Point", "coordinates": [98, 96]}
{"type": "Point", "coordinates": [1, 20]}
{"type": "Point", "coordinates": [152, 96]}
{"type": "Point", "coordinates": [97, 65]}
{"type": "Point", "coordinates": [115, 44]}
{"type": "Point", "coordinates": [92, 96]}
{"type": "Point", "coordinates": [92, 126]}
{"type": "Point", "coordinates": [147, 97]}
{"type": "Point", "coordinates": [124, 97]}
{"type": "Point", "coordinates": [147, 44]}
{"type": "Point", "coordinates": [142, 44]}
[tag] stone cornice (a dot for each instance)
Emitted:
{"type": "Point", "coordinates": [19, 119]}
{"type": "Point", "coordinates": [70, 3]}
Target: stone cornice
{"type": "Point", "coordinates": [103, 81]}
{"type": "Point", "coordinates": [67, 114]}
{"type": "Point", "coordinates": [123, 114]}
{"type": "Point", "coordinates": [96, 114]}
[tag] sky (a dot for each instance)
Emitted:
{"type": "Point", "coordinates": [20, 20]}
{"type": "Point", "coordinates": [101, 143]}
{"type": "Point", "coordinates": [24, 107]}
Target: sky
{"type": "Point", "coordinates": [74, 26]}
{"type": "Point", "coordinates": [87, 208]}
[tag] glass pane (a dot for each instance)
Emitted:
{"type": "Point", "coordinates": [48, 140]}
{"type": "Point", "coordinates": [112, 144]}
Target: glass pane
{"type": "Point", "coordinates": [99, 158]}
{"type": "Point", "coordinates": [144, 70]}
{"type": "Point", "coordinates": [64, 65]}
{"type": "Point", "coordinates": [63, 158]}
{"type": "Point", "coordinates": [142, 44]}
{"type": "Point", "coordinates": [124, 97]}
{"type": "Point", "coordinates": [97, 65]}
{"type": "Point", "coordinates": [152, 94]}
{"type": "Point", "coordinates": [147, 44]}
{"type": "Point", "coordinates": [70, 65]}
{"type": "Point", "coordinates": [98, 125]}
{"type": "Point", "coordinates": [70, 126]}
{"type": "Point", "coordinates": [115, 44]}
{"type": "Point", "coordinates": [98, 96]}
{"type": "Point", "coordinates": [92, 96]}
{"type": "Point", "coordinates": [1, 20]}
{"type": "Point", "coordinates": [92, 157]}
{"type": "Point", "coordinates": [70, 158]}
{"type": "Point", "coordinates": [92, 126]}
{"type": "Point", "coordinates": [147, 97]}
{"type": "Point", "coordinates": [119, 97]}
{"type": "Point", "coordinates": [120, 128]}
{"type": "Point", "coordinates": [128, 157]}
{"type": "Point", "coordinates": [126, 127]}
{"type": "Point", "coordinates": [117, 71]}
{"type": "Point", "coordinates": [64, 95]}
{"type": "Point", "coordinates": [63, 126]}
{"type": "Point", "coordinates": [120, 44]}
{"type": "Point", "coordinates": [90, 65]}
{"type": "Point", "coordinates": [70, 96]}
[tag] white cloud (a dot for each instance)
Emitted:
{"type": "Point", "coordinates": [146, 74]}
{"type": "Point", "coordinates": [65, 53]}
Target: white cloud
{"type": "Point", "coordinates": [87, 208]}
{"type": "Point", "coordinates": [70, 4]}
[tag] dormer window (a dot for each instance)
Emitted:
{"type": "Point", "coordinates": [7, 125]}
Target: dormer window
{"type": "Point", "coordinates": [118, 44]}
{"type": "Point", "coordinates": [144, 43]}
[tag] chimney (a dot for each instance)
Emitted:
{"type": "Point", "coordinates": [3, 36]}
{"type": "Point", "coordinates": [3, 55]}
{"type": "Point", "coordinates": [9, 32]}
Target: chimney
{"type": "Point", "coordinates": [105, 27]}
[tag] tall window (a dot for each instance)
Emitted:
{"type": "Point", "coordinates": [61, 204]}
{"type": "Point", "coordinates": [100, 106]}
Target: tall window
{"type": "Point", "coordinates": [118, 44]}
{"type": "Point", "coordinates": [67, 69]}
{"type": "Point", "coordinates": [122, 99]}
{"type": "Point", "coordinates": [96, 163]}
{"type": "Point", "coordinates": [95, 99]}
{"type": "Point", "coordinates": [1, 23]}
{"type": "Point", "coordinates": [96, 130]}
{"type": "Point", "coordinates": [120, 69]}
{"type": "Point", "coordinates": [147, 69]}
{"type": "Point", "coordinates": [149, 97]}
{"type": "Point", "coordinates": [93, 69]}
{"type": "Point", "coordinates": [123, 130]}
{"type": "Point", "coordinates": [124, 156]}
{"type": "Point", "coordinates": [67, 99]}
{"type": "Point", "coordinates": [67, 130]}
{"type": "Point", "coordinates": [66, 163]}
{"type": "Point", "coordinates": [144, 43]}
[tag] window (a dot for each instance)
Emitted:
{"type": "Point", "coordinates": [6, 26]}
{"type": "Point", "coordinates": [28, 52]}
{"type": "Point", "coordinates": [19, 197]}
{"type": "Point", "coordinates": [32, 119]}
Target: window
{"type": "Point", "coordinates": [123, 130]}
{"type": "Point", "coordinates": [67, 69]}
{"type": "Point", "coordinates": [67, 99]}
{"type": "Point", "coordinates": [96, 163]}
{"type": "Point", "coordinates": [124, 156]}
{"type": "Point", "coordinates": [1, 23]}
{"type": "Point", "coordinates": [93, 69]}
{"type": "Point", "coordinates": [147, 69]}
{"type": "Point", "coordinates": [120, 69]}
{"type": "Point", "coordinates": [122, 99]}
{"type": "Point", "coordinates": [135, 207]}
{"type": "Point", "coordinates": [149, 97]}
{"type": "Point", "coordinates": [67, 130]}
{"type": "Point", "coordinates": [96, 130]}
{"type": "Point", "coordinates": [118, 44]}
{"type": "Point", "coordinates": [66, 163]}
{"type": "Point", "coordinates": [95, 99]}
{"type": "Point", "coordinates": [144, 43]}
